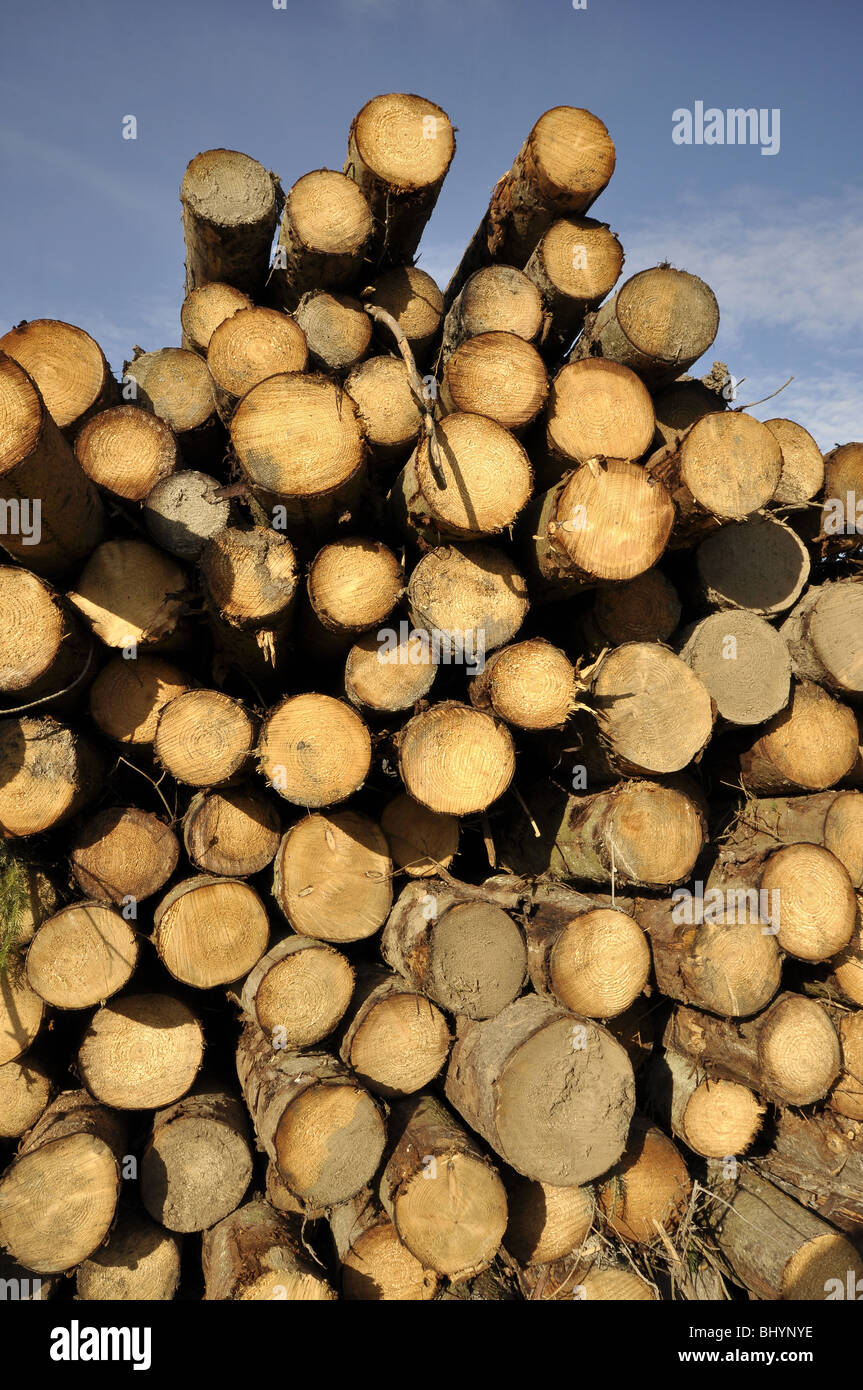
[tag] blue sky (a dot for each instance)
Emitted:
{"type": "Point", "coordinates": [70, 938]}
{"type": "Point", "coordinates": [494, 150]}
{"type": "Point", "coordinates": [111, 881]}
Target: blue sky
{"type": "Point", "coordinates": [91, 223]}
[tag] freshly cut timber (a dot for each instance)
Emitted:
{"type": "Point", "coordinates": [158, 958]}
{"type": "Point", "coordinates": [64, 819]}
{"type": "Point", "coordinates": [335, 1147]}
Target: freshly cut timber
{"type": "Point", "coordinates": [760, 565]}
{"type": "Point", "coordinates": [47, 773]}
{"type": "Point", "coordinates": [615, 1284]}
{"type": "Point", "coordinates": [26, 1087]}
{"type": "Point", "coordinates": [333, 877]}
{"type": "Point", "coordinates": [683, 402]}
{"type": "Point", "coordinates": [141, 1052]}
{"type": "Point", "coordinates": [299, 442]}
{"type": "Point", "coordinates": [780, 1250]}
{"type": "Point", "coordinates": [809, 746]}
{"type": "Point", "coordinates": [654, 714]}
{"type": "Point", "coordinates": [248, 347]}
{"type": "Point", "coordinates": [197, 1161]}
{"type": "Point", "coordinates": [825, 636]}
{"type": "Point", "coordinates": [209, 931]}
{"type": "Point", "coordinates": [832, 819]}
{"type": "Point", "coordinates": [204, 738]}
{"type": "Point", "coordinates": [391, 419]}
{"type": "Point", "coordinates": [497, 298]}
{"type": "Point", "coordinates": [59, 1195]}
{"type": "Point", "coordinates": [176, 385]}
{"type": "Point", "coordinates": [421, 841]}
{"type": "Point", "coordinates": [324, 1131]}
{"type": "Point", "coordinates": [529, 684]}
{"type": "Point", "coordinates": [230, 208]}
{"type": "Point", "coordinates": [128, 695]}
{"type": "Point", "coordinates": [498, 375]}
{"type": "Point", "coordinates": [637, 833]}
{"type": "Point", "coordinates": [354, 584]}
{"type": "Point", "coordinates": [130, 593]}
{"type": "Point", "coordinates": [802, 463]}
{"type": "Point", "coordinates": [478, 488]}
{"type": "Point", "coordinates": [789, 1054]}
{"type": "Point", "coordinates": [184, 511]}
{"type": "Point", "coordinates": [470, 598]}
{"type": "Point", "coordinates": [123, 855]}
{"type": "Point", "coordinates": [337, 329]}
{"type": "Point", "coordinates": [68, 367]}
{"type": "Point", "coordinates": [596, 409]}
{"type": "Point", "coordinates": [574, 266]}
{"type": "Point", "coordinates": [604, 522]}
{"type": "Point", "coordinates": [126, 450]}
{"type": "Point", "coordinates": [382, 679]}
{"type": "Point", "coordinates": [21, 1011]}
{"type": "Point", "coordinates": [298, 991]}
{"type": "Point", "coordinates": [592, 959]}
{"type": "Point", "coordinates": [314, 751]}
{"type": "Point", "coordinates": [647, 1192]}
{"type": "Point", "coordinates": [37, 465]}
{"type": "Point", "coordinates": [205, 308]}
{"type": "Point", "coordinates": [818, 1159]}
{"type": "Point", "coordinates": [729, 965]}
{"type": "Point", "coordinates": [44, 653]}
{"type": "Point", "coordinates": [546, 1223]}
{"type": "Point", "coordinates": [257, 1254]}
{"type": "Point", "coordinates": [250, 576]}
{"type": "Point", "coordinates": [743, 662]}
{"type": "Point", "coordinates": [552, 1093]}
{"type": "Point", "coordinates": [412, 298]}
{"type": "Point", "coordinates": [659, 322]}
{"type": "Point", "coordinates": [846, 1097]}
{"type": "Point", "coordinates": [467, 955]}
{"type": "Point", "coordinates": [231, 832]}
{"type": "Point", "coordinates": [400, 147]}
{"type": "Point", "coordinates": [847, 971]}
{"type": "Point", "coordinates": [726, 467]}
{"type": "Point", "coordinates": [562, 167]}
{"type": "Point", "coordinates": [81, 956]}
{"type": "Point", "coordinates": [455, 759]}
{"type": "Point", "coordinates": [375, 1265]}
{"type": "Point", "coordinates": [644, 609]}
{"type": "Point", "coordinates": [444, 1197]}
{"type": "Point", "coordinates": [140, 1261]}
{"type": "Point", "coordinates": [394, 1041]}
{"type": "Point", "coordinates": [324, 235]}
{"type": "Point", "coordinates": [716, 1119]}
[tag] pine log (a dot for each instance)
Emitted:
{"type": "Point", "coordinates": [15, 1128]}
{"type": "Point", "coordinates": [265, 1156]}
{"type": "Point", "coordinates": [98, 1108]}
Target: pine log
{"type": "Point", "coordinates": [825, 636]}
{"type": "Point", "coordinates": [529, 684]}
{"type": "Point", "coordinates": [314, 751]}
{"type": "Point", "coordinates": [205, 308]}
{"type": "Point", "coordinates": [376, 1267]}
{"type": "Point", "coordinates": [847, 967]}
{"type": "Point", "coordinates": [140, 1262]}
{"type": "Point", "coordinates": [714, 1118]}
{"type": "Point", "coordinates": [380, 388]}
{"type": "Point", "coordinates": [184, 511]}
{"type": "Point", "coordinates": [832, 819]}
{"type": "Point", "coordinates": [354, 584]}
{"type": "Point", "coordinates": [846, 1098]}
{"type": "Point", "coordinates": [44, 653]}
{"type": "Point", "coordinates": [126, 451]}
{"type": "Point", "coordinates": [230, 207]}
{"type": "Point", "coordinates": [210, 931]}
{"type": "Point", "coordinates": [21, 1011]}
{"type": "Point", "coordinates": [596, 409]}
{"type": "Point", "coordinates": [636, 833]}
{"type": "Point", "coordinates": [546, 1223]}
{"type": "Point", "coordinates": [648, 1191]}
{"type": "Point", "coordinates": [498, 375]}
{"type": "Point", "coordinates": [59, 1196]}
{"type": "Point", "coordinates": [421, 841]}
{"type": "Point", "coordinates": [324, 1131]}
{"type": "Point", "coordinates": [324, 236]}
{"type": "Point", "coordinates": [123, 854]}
{"type": "Point", "coordinates": [48, 772]}
{"type": "Point", "coordinates": [394, 1040]}
{"type": "Point", "coordinates": [337, 330]}
{"type": "Point", "coordinates": [563, 166]}
{"type": "Point", "coordinates": [250, 577]}
{"type": "Point", "coordinates": [644, 609]}
{"type": "Point", "coordinates": [810, 746]}
{"type": "Point", "coordinates": [68, 367]}
{"type": "Point", "coordinates": [38, 466]}
{"type": "Point", "coordinates": [176, 385]}
{"type": "Point", "coordinates": [257, 1254]}
{"type": "Point", "coordinates": [232, 832]}
{"type": "Point", "coordinates": [818, 1160]}
{"type": "Point", "coordinates": [760, 565]}
{"type": "Point", "coordinates": [478, 489]}
{"type": "Point", "coordinates": [742, 662]}
{"type": "Point", "coordinates": [382, 679]}
{"type": "Point", "coordinates": [141, 1052]}
{"type": "Point", "coordinates": [467, 955]}
{"type": "Point", "coordinates": [574, 265]}
{"type": "Point", "coordinates": [26, 1089]}
{"type": "Point", "coordinates": [471, 598]}
{"type": "Point", "coordinates": [455, 759]}
{"type": "Point", "coordinates": [197, 1162]}
{"type": "Point", "coordinates": [400, 147]}
{"type": "Point", "coordinates": [412, 298]}
{"type": "Point", "coordinates": [683, 402]}
{"type": "Point", "coordinates": [130, 593]}
{"type": "Point", "coordinates": [497, 298]}
{"type": "Point", "coordinates": [204, 738]}
{"type": "Point", "coordinates": [659, 322]}
{"type": "Point", "coordinates": [298, 992]}
{"type": "Point", "coordinates": [333, 877]}
{"type": "Point", "coordinates": [128, 696]}
{"type": "Point", "coordinates": [654, 714]}
{"type": "Point", "coordinates": [81, 956]}
{"type": "Point", "coordinates": [552, 1093]}
{"type": "Point", "coordinates": [591, 959]}
{"type": "Point", "coordinates": [802, 463]}
{"type": "Point", "coordinates": [444, 1197]}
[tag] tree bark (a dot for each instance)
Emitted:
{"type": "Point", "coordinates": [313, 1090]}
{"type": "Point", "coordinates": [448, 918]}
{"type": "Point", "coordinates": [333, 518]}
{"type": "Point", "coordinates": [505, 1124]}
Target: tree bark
{"type": "Point", "coordinates": [257, 1254]}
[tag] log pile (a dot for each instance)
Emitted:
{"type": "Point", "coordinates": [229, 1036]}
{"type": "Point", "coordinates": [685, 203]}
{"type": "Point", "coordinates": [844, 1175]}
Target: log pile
{"type": "Point", "coordinates": [431, 785]}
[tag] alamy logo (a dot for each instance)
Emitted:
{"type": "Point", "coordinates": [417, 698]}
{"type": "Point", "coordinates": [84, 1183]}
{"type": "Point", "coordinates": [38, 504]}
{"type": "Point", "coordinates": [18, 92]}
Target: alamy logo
{"type": "Point", "coordinates": [736, 126]}
{"type": "Point", "coordinates": [843, 516]}
{"type": "Point", "coordinates": [731, 906]}
{"type": "Point", "coordinates": [21, 517]}
{"type": "Point", "coordinates": [77, 1343]}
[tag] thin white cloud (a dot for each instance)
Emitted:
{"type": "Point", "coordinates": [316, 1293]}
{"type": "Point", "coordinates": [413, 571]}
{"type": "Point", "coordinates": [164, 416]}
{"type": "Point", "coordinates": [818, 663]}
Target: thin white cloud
{"type": "Point", "coordinates": [127, 194]}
